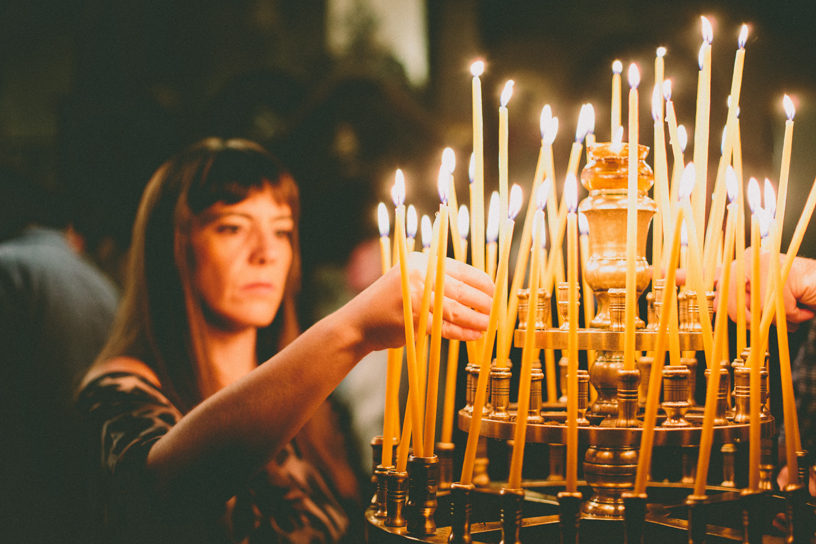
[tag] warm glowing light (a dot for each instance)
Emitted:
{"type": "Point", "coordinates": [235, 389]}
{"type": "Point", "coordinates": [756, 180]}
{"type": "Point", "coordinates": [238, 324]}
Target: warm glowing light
{"type": "Point", "coordinates": [634, 76]}
{"type": "Point", "coordinates": [477, 68]}
{"type": "Point", "coordinates": [682, 137]}
{"type": "Point", "coordinates": [770, 199]}
{"type": "Point", "coordinates": [701, 56]}
{"type": "Point", "coordinates": [583, 224]}
{"type": "Point", "coordinates": [544, 121]}
{"type": "Point", "coordinates": [398, 190]}
{"type": "Point", "coordinates": [657, 101]}
{"type": "Point", "coordinates": [382, 220]}
{"type": "Point", "coordinates": [728, 103]}
{"type": "Point", "coordinates": [492, 233]}
{"type": "Point", "coordinates": [708, 32]}
{"type": "Point", "coordinates": [590, 118]}
{"type": "Point", "coordinates": [542, 235]}
{"type": "Point", "coordinates": [516, 199]}
{"type": "Point", "coordinates": [731, 183]}
{"type": "Point", "coordinates": [427, 231]}
{"type": "Point", "coordinates": [617, 140]}
{"type": "Point", "coordinates": [449, 159]}
{"type": "Point", "coordinates": [411, 222]}
{"type": "Point", "coordinates": [581, 131]}
{"type": "Point", "coordinates": [790, 109]}
{"type": "Point", "coordinates": [743, 37]}
{"type": "Point", "coordinates": [667, 89]}
{"type": "Point", "coordinates": [543, 193]}
{"type": "Point", "coordinates": [571, 192]}
{"type": "Point", "coordinates": [754, 195]}
{"type": "Point", "coordinates": [472, 168]}
{"type": "Point", "coordinates": [552, 131]}
{"type": "Point", "coordinates": [687, 181]}
{"type": "Point", "coordinates": [722, 141]}
{"type": "Point", "coordinates": [464, 222]}
{"type": "Point", "coordinates": [684, 234]}
{"type": "Point", "coordinates": [443, 184]}
{"type": "Point", "coordinates": [507, 93]}
{"type": "Point", "coordinates": [764, 217]}
{"type": "Point", "coordinates": [617, 67]}
{"type": "Point", "coordinates": [661, 52]}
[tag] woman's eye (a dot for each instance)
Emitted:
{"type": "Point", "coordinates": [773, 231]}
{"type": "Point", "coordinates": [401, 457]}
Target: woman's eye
{"type": "Point", "coordinates": [284, 233]}
{"type": "Point", "coordinates": [227, 229]}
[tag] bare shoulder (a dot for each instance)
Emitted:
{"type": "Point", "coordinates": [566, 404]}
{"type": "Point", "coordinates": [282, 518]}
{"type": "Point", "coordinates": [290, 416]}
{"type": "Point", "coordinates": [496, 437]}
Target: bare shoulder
{"type": "Point", "coordinates": [122, 364]}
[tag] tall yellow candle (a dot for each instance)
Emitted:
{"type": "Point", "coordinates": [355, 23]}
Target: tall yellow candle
{"type": "Point", "coordinates": [650, 415]}
{"type": "Point", "coordinates": [446, 170]}
{"type": "Point", "coordinates": [661, 188]}
{"type": "Point", "coordinates": [675, 142]}
{"type": "Point", "coordinates": [756, 357]}
{"type": "Point", "coordinates": [411, 227]}
{"type": "Point", "coordinates": [502, 340]}
{"type": "Point", "coordinates": [742, 342]}
{"type": "Point", "coordinates": [590, 117]}
{"type": "Point", "coordinates": [490, 336]}
{"type": "Point", "coordinates": [385, 229]}
{"type": "Point", "coordinates": [589, 296]}
{"type": "Point", "coordinates": [701, 130]}
{"type": "Point", "coordinates": [528, 351]}
{"type": "Point", "coordinates": [571, 198]}
{"type": "Point", "coordinates": [617, 68]}
{"type": "Point", "coordinates": [631, 223]}
{"type": "Point", "coordinates": [721, 330]}
{"type": "Point", "coordinates": [426, 229]}
{"type": "Point", "coordinates": [492, 234]}
{"type": "Point", "coordinates": [392, 371]}
{"type": "Point", "coordinates": [408, 315]}
{"type": "Point", "coordinates": [477, 183]}
{"type": "Point", "coordinates": [784, 172]}
{"type": "Point", "coordinates": [659, 72]}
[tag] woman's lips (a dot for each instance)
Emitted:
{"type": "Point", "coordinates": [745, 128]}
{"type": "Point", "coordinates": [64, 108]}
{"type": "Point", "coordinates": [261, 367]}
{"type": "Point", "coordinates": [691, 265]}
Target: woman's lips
{"type": "Point", "coordinates": [258, 287]}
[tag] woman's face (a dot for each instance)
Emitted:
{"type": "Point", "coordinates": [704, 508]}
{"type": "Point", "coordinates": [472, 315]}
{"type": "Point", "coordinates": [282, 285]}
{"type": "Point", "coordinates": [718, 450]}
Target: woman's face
{"type": "Point", "coordinates": [242, 253]}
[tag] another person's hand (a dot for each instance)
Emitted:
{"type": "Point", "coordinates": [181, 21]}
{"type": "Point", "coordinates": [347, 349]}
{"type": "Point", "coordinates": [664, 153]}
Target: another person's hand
{"type": "Point", "coordinates": [799, 292]}
{"type": "Point", "coordinates": [466, 307]}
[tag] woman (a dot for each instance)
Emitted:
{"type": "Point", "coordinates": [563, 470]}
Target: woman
{"type": "Point", "coordinates": [195, 427]}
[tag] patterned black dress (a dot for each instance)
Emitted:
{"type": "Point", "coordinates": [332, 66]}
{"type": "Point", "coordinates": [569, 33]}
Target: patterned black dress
{"type": "Point", "coordinates": [288, 502]}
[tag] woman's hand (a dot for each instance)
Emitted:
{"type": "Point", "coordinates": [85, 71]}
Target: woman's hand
{"type": "Point", "coordinates": [466, 307]}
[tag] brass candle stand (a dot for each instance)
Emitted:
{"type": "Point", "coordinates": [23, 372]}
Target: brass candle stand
{"type": "Point", "coordinates": [610, 429]}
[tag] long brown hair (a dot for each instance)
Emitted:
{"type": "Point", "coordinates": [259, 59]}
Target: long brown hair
{"type": "Point", "coordinates": [160, 320]}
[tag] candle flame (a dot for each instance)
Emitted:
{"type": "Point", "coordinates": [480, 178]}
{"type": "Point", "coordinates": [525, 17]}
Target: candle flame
{"type": "Point", "coordinates": [581, 131]}
{"type": "Point", "coordinates": [443, 184]}
{"type": "Point", "coordinates": [634, 76]}
{"type": "Point", "coordinates": [507, 93]}
{"type": "Point", "coordinates": [790, 109]}
{"type": "Point", "coordinates": [728, 103]}
{"type": "Point", "coordinates": [661, 52]}
{"type": "Point", "coordinates": [708, 32]}
{"type": "Point", "coordinates": [731, 183]}
{"type": "Point", "coordinates": [383, 221]}
{"type": "Point", "coordinates": [657, 101]}
{"type": "Point", "coordinates": [583, 224]}
{"type": "Point", "coordinates": [544, 121]}
{"type": "Point", "coordinates": [449, 160]}
{"type": "Point", "coordinates": [543, 193]}
{"type": "Point", "coordinates": [701, 56]}
{"type": "Point", "coordinates": [411, 222]}
{"type": "Point", "coordinates": [463, 222]}
{"type": "Point", "coordinates": [472, 168]}
{"type": "Point", "coordinates": [754, 195]}
{"type": "Point", "coordinates": [492, 233]}
{"type": "Point", "coordinates": [398, 190]}
{"type": "Point", "coordinates": [682, 137]}
{"type": "Point", "coordinates": [770, 199]}
{"type": "Point", "coordinates": [516, 199]}
{"type": "Point", "coordinates": [743, 37]}
{"type": "Point", "coordinates": [541, 226]}
{"type": "Point", "coordinates": [552, 131]}
{"type": "Point", "coordinates": [427, 231]}
{"type": "Point", "coordinates": [684, 234]}
{"type": "Point", "coordinates": [667, 89]}
{"type": "Point", "coordinates": [617, 140]}
{"type": "Point", "coordinates": [722, 141]}
{"type": "Point", "coordinates": [764, 217]}
{"type": "Point", "coordinates": [687, 181]}
{"type": "Point", "coordinates": [617, 67]}
{"type": "Point", "coordinates": [477, 68]}
{"type": "Point", "coordinates": [571, 192]}
{"type": "Point", "coordinates": [590, 118]}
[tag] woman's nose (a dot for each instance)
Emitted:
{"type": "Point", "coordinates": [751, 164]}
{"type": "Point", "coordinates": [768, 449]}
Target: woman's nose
{"type": "Point", "coordinates": [265, 247]}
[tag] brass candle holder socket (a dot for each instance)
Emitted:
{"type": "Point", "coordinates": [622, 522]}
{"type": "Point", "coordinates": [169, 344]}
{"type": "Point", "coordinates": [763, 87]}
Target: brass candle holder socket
{"type": "Point", "coordinates": [697, 518]}
{"type": "Point", "coordinates": [543, 309]}
{"type": "Point", "coordinates": [742, 395]}
{"type": "Point", "coordinates": [500, 391]}
{"type": "Point", "coordinates": [536, 380]}
{"type": "Point", "coordinates": [752, 513]}
{"type": "Point", "coordinates": [628, 382]}
{"type": "Point", "coordinates": [722, 395]}
{"type": "Point", "coordinates": [583, 397]}
{"type": "Point", "coordinates": [511, 514]}
{"type": "Point", "coordinates": [380, 498]}
{"type": "Point", "coordinates": [634, 517]}
{"type": "Point", "coordinates": [563, 303]}
{"type": "Point", "coordinates": [423, 481]}
{"type": "Point", "coordinates": [396, 494]}
{"type": "Point", "coordinates": [461, 508]}
{"type": "Point", "coordinates": [569, 516]}
{"type": "Point", "coordinates": [675, 396]}
{"type": "Point", "coordinates": [444, 450]}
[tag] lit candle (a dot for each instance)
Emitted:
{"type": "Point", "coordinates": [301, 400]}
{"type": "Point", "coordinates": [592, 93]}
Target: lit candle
{"type": "Point", "coordinates": [502, 339]}
{"type": "Point", "coordinates": [701, 130]}
{"type": "Point", "coordinates": [520, 432]}
{"type": "Point", "coordinates": [721, 330]}
{"type": "Point", "coordinates": [590, 123]}
{"type": "Point", "coordinates": [413, 391]}
{"type": "Point", "coordinates": [674, 141]}
{"type": "Point", "coordinates": [571, 198]}
{"type": "Point", "coordinates": [427, 230]}
{"type": "Point", "coordinates": [493, 322]}
{"type": "Point", "coordinates": [492, 234]}
{"type": "Point", "coordinates": [464, 230]}
{"type": "Point", "coordinates": [392, 370]}
{"type": "Point", "coordinates": [742, 341]}
{"type": "Point", "coordinates": [756, 357]}
{"type": "Point", "coordinates": [617, 68]}
{"type": "Point", "coordinates": [436, 327]}
{"type": "Point", "coordinates": [631, 224]}
{"type": "Point", "coordinates": [411, 225]}
{"type": "Point", "coordinates": [477, 181]}
{"type": "Point", "coordinates": [549, 130]}
{"type": "Point", "coordinates": [661, 187]}
{"type": "Point", "coordinates": [659, 70]}
{"type": "Point", "coordinates": [447, 169]}
{"type": "Point", "coordinates": [784, 173]}
{"type": "Point", "coordinates": [384, 224]}
{"type": "Point", "coordinates": [578, 144]}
